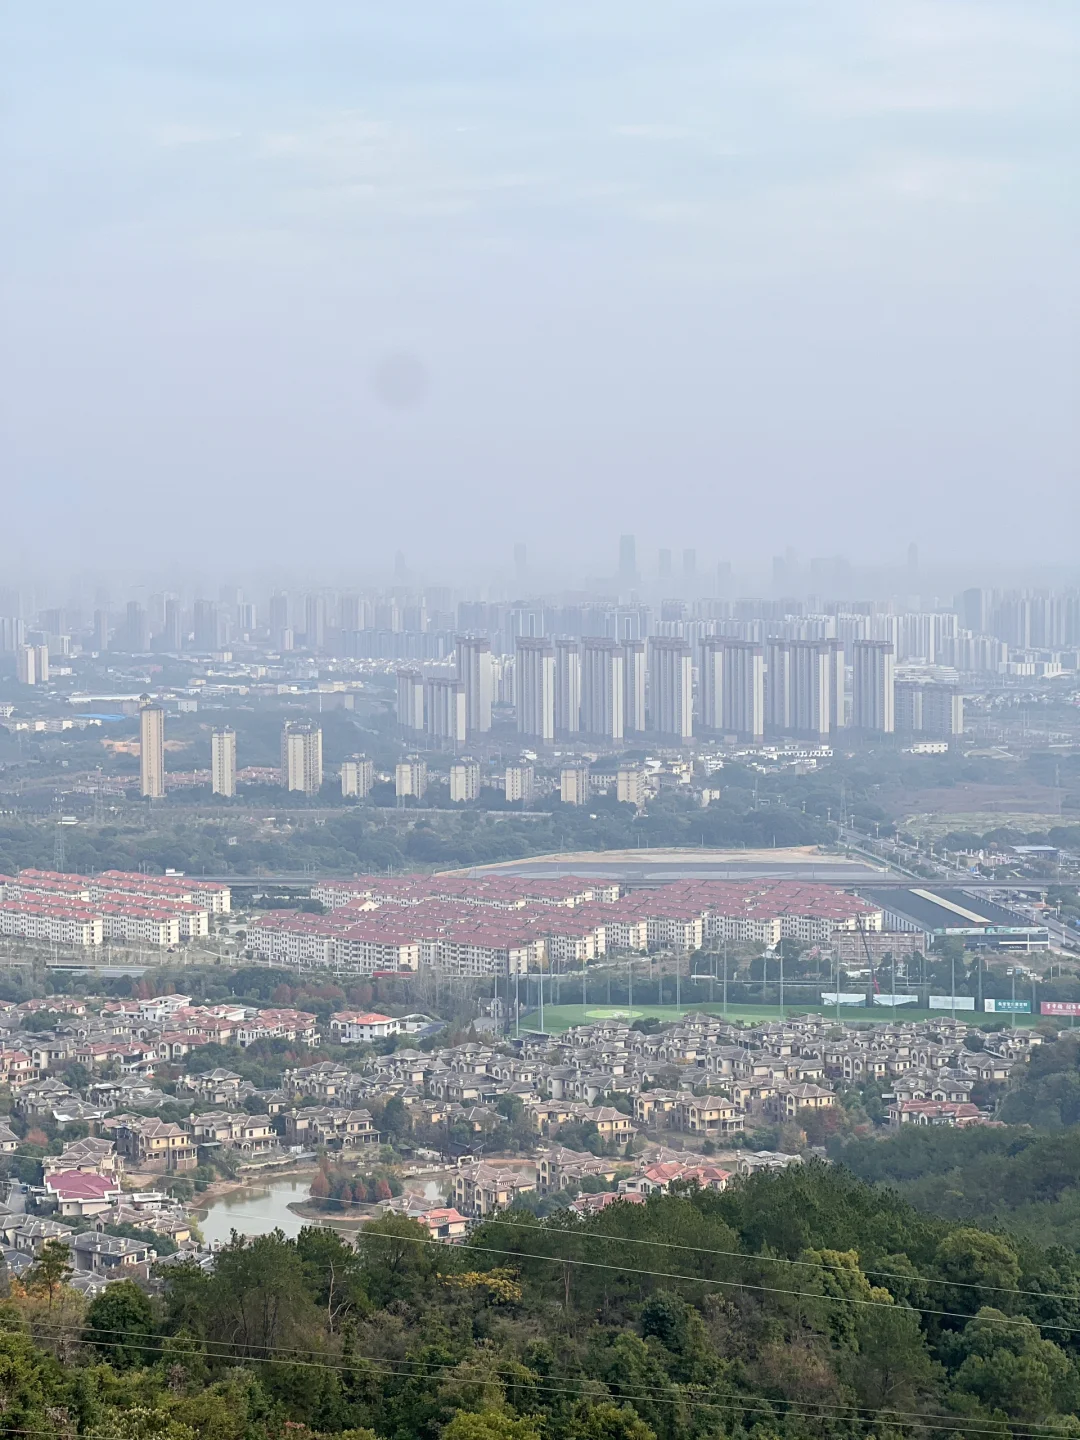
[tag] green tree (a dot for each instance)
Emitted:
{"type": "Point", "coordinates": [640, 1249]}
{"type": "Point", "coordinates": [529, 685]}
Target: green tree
{"type": "Point", "coordinates": [120, 1324]}
{"type": "Point", "coordinates": [51, 1269]}
{"type": "Point", "coordinates": [490, 1425]}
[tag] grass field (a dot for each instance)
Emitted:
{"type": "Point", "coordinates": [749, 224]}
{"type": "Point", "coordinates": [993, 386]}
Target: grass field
{"type": "Point", "coordinates": [560, 1017]}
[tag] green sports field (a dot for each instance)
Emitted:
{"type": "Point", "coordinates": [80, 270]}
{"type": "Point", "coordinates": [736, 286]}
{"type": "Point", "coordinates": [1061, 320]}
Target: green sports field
{"type": "Point", "coordinates": [560, 1017]}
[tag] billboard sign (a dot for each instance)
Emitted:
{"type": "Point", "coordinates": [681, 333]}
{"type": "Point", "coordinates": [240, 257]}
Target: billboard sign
{"type": "Point", "coordinates": [952, 1002]}
{"type": "Point", "coordinates": [1060, 1007]}
{"type": "Point", "coordinates": [896, 999]}
{"type": "Point", "coordinates": [843, 997]}
{"type": "Point", "coordinates": [1007, 1007]}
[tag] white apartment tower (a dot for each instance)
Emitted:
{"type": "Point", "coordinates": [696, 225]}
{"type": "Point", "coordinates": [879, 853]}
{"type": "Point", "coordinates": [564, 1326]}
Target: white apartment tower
{"type": "Point", "coordinates": [778, 697]}
{"type": "Point", "coordinates": [410, 701]}
{"type": "Point", "coordinates": [410, 777]}
{"type": "Point", "coordinates": [630, 786]}
{"type": "Point", "coordinates": [301, 758]}
{"type": "Point", "coordinates": [671, 688]}
{"type": "Point", "coordinates": [732, 687]}
{"type": "Point", "coordinates": [603, 688]}
{"type": "Point", "coordinates": [873, 687]}
{"type": "Point", "coordinates": [574, 785]}
{"type": "Point", "coordinates": [634, 669]}
{"type": "Point", "coordinates": [567, 687]}
{"type": "Point", "coordinates": [534, 671]}
{"type": "Point", "coordinates": [223, 762]}
{"type": "Point", "coordinates": [519, 783]}
{"type": "Point", "coordinates": [444, 706]}
{"type": "Point", "coordinates": [26, 664]}
{"type": "Point", "coordinates": [476, 673]}
{"type": "Point", "coordinates": [357, 777]}
{"type": "Point", "coordinates": [152, 751]}
{"type": "Point", "coordinates": [465, 780]}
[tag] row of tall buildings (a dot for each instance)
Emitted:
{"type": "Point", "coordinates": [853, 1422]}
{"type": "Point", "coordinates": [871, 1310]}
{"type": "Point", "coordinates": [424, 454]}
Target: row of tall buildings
{"type": "Point", "coordinates": [600, 690]}
{"type": "Point", "coordinates": [301, 759]}
{"type": "Point", "coordinates": [981, 631]}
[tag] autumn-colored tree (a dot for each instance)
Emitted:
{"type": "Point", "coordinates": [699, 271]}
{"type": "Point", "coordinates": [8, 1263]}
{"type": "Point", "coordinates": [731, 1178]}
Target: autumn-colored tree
{"type": "Point", "coordinates": [320, 1186]}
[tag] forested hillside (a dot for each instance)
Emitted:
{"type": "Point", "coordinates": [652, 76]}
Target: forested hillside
{"type": "Point", "coordinates": [796, 1304]}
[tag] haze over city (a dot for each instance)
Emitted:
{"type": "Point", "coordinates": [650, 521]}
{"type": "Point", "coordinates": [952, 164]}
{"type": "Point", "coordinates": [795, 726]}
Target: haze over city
{"type": "Point", "coordinates": [289, 289]}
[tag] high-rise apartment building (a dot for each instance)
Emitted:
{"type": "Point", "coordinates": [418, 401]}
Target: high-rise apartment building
{"type": "Point", "coordinates": [574, 785]}
{"type": "Point", "coordinates": [315, 622]}
{"type": "Point", "coordinates": [152, 751]}
{"type": "Point", "coordinates": [411, 777]}
{"type": "Point", "coordinates": [873, 687]}
{"type": "Point", "coordinates": [205, 637]}
{"type": "Point", "coordinates": [464, 781]}
{"type": "Point", "coordinates": [778, 696]}
{"type": "Point", "coordinates": [634, 676]}
{"type": "Point", "coordinates": [172, 635]}
{"type": "Point", "coordinates": [816, 671]}
{"type": "Point", "coordinates": [934, 711]}
{"type": "Point", "coordinates": [630, 786]}
{"type": "Point", "coordinates": [603, 688]}
{"type": "Point", "coordinates": [223, 762]}
{"type": "Point", "coordinates": [26, 670]}
{"type": "Point", "coordinates": [136, 628]}
{"type": "Point", "coordinates": [671, 688]}
{"type": "Point", "coordinates": [444, 710]}
{"type": "Point", "coordinates": [279, 620]}
{"type": "Point", "coordinates": [301, 757]}
{"type": "Point", "coordinates": [357, 777]}
{"type": "Point", "coordinates": [410, 701]}
{"type": "Point", "coordinates": [567, 687]}
{"type": "Point", "coordinates": [99, 639]}
{"type": "Point", "coordinates": [534, 675]}
{"type": "Point", "coordinates": [476, 673]}
{"type": "Point", "coordinates": [943, 712]}
{"type": "Point", "coordinates": [12, 634]}
{"type": "Point", "coordinates": [732, 687]}
{"type": "Point", "coordinates": [519, 783]}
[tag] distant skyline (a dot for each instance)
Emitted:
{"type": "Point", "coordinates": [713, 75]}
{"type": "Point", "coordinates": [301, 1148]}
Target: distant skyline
{"type": "Point", "coordinates": [287, 289]}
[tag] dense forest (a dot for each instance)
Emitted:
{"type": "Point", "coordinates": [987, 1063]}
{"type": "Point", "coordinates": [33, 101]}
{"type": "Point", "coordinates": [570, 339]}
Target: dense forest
{"type": "Point", "coordinates": [802, 1303]}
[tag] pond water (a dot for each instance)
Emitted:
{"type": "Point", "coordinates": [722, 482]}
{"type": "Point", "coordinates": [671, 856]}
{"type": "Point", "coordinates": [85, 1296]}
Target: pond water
{"type": "Point", "coordinates": [257, 1209]}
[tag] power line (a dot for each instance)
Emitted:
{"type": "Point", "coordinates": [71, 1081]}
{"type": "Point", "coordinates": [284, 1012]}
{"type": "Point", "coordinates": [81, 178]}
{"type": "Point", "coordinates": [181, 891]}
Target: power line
{"type": "Point", "coordinates": [734, 1255]}
{"type": "Point", "coordinates": [752, 1403]}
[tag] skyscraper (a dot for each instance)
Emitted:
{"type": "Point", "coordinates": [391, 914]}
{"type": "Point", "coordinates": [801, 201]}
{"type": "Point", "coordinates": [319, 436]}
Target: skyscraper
{"type": "Point", "coordinates": [567, 687]}
{"type": "Point", "coordinates": [444, 710]}
{"type": "Point", "coordinates": [534, 674]}
{"type": "Point", "coordinates": [99, 641]}
{"type": "Point", "coordinates": [172, 637]}
{"type": "Point", "coordinates": [315, 622]}
{"type": "Point", "coordinates": [26, 665]}
{"type": "Point", "coordinates": [205, 626]}
{"type": "Point", "coordinates": [671, 687]}
{"type": "Point", "coordinates": [152, 750]}
{"type": "Point", "coordinates": [732, 687]}
{"type": "Point", "coordinates": [137, 629]}
{"type": "Point", "coordinates": [817, 687]}
{"type": "Point", "coordinates": [634, 671]}
{"type": "Point", "coordinates": [223, 762]}
{"type": "Point", "coordinates": [475, 673]}
{"type": "Point", "coordinates": [410, 701]}
{"type": "Point", "coordinates": [873, 688]}
{"type": "Point", "coordinates": [301, 757]}
{"type": "Point", "coordinates": [778, 696]}
{"type": "Point", "coordinates": [603, 688]}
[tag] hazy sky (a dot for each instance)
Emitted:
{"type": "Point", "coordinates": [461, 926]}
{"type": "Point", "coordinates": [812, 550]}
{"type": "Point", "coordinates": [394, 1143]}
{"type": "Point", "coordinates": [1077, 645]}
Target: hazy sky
{"type": "Point", "coordinates": [298, 280]}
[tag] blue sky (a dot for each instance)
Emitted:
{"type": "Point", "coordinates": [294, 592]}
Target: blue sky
{"type": "Point", "coordinates": [300, 285]}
